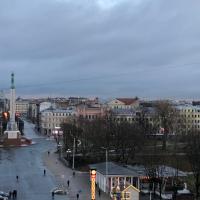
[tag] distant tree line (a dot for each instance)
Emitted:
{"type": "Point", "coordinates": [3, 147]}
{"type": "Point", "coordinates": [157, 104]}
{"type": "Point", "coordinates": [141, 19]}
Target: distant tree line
{"type": "Point", "coordinates": [123, 140]}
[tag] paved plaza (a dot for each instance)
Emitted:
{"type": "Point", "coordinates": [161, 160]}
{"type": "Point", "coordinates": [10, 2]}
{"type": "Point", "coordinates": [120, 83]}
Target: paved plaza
{"type": "Point", "coordinates": [29, 163]}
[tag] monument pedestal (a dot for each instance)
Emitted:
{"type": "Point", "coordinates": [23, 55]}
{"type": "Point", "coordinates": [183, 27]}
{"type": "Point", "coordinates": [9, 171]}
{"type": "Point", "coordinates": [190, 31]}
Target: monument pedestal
{"type": "Point", "coordinates": [14, 139]}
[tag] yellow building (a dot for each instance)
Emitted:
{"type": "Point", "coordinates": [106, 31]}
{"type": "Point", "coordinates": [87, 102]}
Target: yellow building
{"type": "Point", "coordinates": [130, 193]}
{"type": "Point", "coordinates": [190, 116]}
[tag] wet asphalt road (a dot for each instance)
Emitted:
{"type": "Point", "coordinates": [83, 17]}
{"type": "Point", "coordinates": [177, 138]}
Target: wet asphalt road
{"type": "Point", "coordinates": [26, 162]}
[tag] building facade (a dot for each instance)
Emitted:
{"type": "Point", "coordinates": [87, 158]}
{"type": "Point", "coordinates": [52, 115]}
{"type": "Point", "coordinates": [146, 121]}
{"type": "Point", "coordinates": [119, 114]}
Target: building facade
{"type": "Point", "coordinates": [22, 107]}
{"type": "Point", "coordinates": [52, 117]}
{"type": "Point", "coordinates": [124, 103]}
{"type": "Point", "coordinates": [91, 112]}
{"type": "Point", "coordinates": [190, 116]}
{"type": "Point", "coordinates": [110, 175]}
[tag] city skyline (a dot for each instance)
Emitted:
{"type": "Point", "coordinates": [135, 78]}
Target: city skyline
{"type": "Point", "coordinates": [108, 48]}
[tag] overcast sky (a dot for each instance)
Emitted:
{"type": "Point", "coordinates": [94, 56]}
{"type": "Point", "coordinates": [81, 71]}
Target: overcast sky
{"type": "Point", "coordinates": [145, 48]}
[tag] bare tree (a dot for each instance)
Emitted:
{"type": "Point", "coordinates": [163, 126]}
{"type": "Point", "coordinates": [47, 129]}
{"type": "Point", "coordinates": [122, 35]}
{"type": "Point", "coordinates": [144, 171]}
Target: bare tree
{"type": "Point", "coordinates": [166, 116]}
{"type": "Point", "coordinates": [193, 153]}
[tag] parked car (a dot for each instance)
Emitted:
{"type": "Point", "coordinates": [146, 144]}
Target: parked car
{"type": "Point", "coordinates": [165, 195]}
{"type": "Point", "coordinates": [3, 198]}
{"type": "Point", "coordinates": [4, 194]}
{"type": "Point", "coordinates": [59, 191]}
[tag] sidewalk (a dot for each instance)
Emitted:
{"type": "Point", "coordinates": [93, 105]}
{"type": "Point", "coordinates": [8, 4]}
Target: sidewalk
{"type": "Point", "coordinates": [80, 183]}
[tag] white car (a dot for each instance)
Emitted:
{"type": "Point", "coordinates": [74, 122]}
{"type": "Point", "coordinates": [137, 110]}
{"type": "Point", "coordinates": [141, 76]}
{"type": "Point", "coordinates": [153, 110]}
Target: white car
{"type": "Point", "coordinates": [4, 194]}
{"type": "Point", "coordinates": [3, 198]}
{"type": "Point", "coordinates": [59, 191]}
{"type": "Point", "coordinates": [165, 195]}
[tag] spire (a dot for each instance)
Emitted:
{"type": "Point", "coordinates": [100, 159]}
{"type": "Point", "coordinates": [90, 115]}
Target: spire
{"type": "Point", "coordinates": [12, 81]}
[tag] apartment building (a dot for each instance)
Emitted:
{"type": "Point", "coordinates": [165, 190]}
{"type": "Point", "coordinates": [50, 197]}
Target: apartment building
{"type": "Point", "coordinates": [91, 111]}
{"type": "Point", "coordinates": [190, 116]}
{"type": "Point", "coordinates": [124, 103]}
{"type": "Point", "coordinates": [22, 107]}
{"type": "Point", "coordinates": [53, 117]}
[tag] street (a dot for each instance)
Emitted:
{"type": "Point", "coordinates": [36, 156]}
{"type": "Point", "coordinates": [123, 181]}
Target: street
{"type": "Point", "coordinates": [26, 162]}
{"type": "Point", "coordinates": [29, 162]}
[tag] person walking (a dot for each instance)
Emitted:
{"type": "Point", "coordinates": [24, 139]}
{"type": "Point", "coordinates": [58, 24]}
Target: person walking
{"type": "Point", "coordinates": [10, 194]}
{"type": "Point", "coordinates": [17, 178]}
{"type": "Point", "coordinates": [73, 173]}
{"type": "Point", "coordinates": [99, 192]}
{"type": "Point", "coordinates": [77, 196]}
{"type": "Point", "coordinates": [52, 194]}
{"type": "Point", "coordinates": [44, 172]}
{"type": "Point", "coordinates": [14, 194]}
{"type": "Point", "coordinates": [68, 183]}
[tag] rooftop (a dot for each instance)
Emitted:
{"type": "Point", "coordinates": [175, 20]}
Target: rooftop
{"type": "Point", "coordinates": [56, 110]}
{"type": "Point", "coordinates": [113, 169]}
{"type": "Point", "coordinates": [127, 101]}
{"type": "Point", "coordinates": [162, 170]}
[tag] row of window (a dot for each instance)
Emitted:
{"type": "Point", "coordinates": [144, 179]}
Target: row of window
{"type": "Point", "coordinates": [57, 114]}
{"type": "Point", "coordinates": [54, 119]}
{"type": "Point", "coordinates": [89, 116]}
{"type": "Point", "coordinates": [193, 126]}
{"type": "Point", "coordinates": [192, 115]}
{"type": "Point", "coordinates": [116, 107]}
{"type": "Point", "coordinates": [51, 125]}
{"type": "Point", "coordinates": [130, 119]}
{"type": "Point", "coordinates": [193, 121]}
{"type": "Point", "coordinates": [192, 110]}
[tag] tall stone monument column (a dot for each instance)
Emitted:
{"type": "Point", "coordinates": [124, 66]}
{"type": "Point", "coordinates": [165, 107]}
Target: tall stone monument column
{"type": "Point", "coordinates": [13, 125]}
{"type": "Point", "coordinates": [12, 136]}
{"type": "Point", "coordinates": [12, 133]}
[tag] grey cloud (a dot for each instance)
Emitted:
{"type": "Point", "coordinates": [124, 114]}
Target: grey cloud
{"type": "Point", "coordinates": [48, 40]}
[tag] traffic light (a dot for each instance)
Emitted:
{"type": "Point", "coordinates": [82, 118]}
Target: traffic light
{"type": "Point", "coordinates": [5, 116]}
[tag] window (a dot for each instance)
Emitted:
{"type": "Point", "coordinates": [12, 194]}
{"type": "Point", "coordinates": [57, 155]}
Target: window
{"type": "Point", "coordinates": [127, 195]}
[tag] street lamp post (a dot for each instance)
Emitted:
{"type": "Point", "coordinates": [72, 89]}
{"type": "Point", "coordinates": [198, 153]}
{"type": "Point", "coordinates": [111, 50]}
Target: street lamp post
{"type": "Point", "coordinates": [106, 165]}
{"type": "Point", "coordinates": [57, 132]}
{"type": "Point", "coordinates": [73, 154]}
{"type": "Point", "coordinates": [105, 148]}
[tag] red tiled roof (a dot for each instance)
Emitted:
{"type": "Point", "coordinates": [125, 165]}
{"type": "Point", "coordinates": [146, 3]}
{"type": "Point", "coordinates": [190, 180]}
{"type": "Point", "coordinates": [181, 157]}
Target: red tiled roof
{"type": "Point", "coordinates": [127, 101]}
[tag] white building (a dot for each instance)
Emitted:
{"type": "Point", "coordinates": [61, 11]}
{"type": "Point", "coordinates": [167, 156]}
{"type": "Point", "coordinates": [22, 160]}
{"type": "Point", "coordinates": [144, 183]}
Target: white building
{"type": "Point", "coordinates": [110, 175]}
{"type": "Point", "coordinates": [52, 117]}
{"type": "Point", "coordinates": [45, 105]}
{"type": "Point", "coordinates": [190, 116]}
{"type": "Point", "coordinates": [22, 107]}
